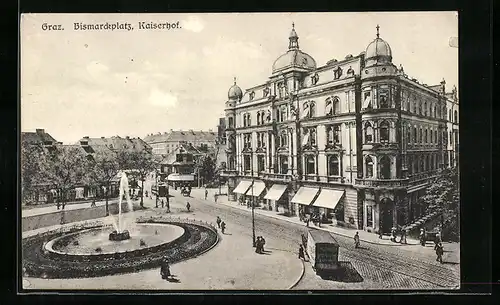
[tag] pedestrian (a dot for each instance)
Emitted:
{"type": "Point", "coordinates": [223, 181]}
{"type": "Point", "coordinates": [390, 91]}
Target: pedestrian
{"type": "Point", "coordinates": [188, 206]}
{"type": "Point", "coordinates": [393, 234]}
{"type": "Point", "coordinates": [356, 240]}
{"type": "Point", "coordinates": [216, 197]}
{"type": "Point", "coordinates": [206, 194]}
{"type": "Point", "coordinates": [404, 232]}
{"type": "Point", "coordinates": [263, 242]}
{"type": "Point", "coordinates": [308, 219]}
{"type": "Point", "coordinates": [422, 237]}
{"type": "Point", "coordinates": [301, 253]}
{"type": "Point", "coordinates": [439, 252]}
{"type": "Point", "coordinates": [380, 233]}
{"type": "Point", "coordinates": [218, 221]}
{"type": "Point", "coordinates": [165, 269]}
{"type": "Point", "coordinates": [258, 245]}
{"type": "Point", "coordinates": [223, 227]}
{"type": "Point", "coordinates": [93, 203]}
{"type": "Point", "coordinates": [168, 206]}
{"type": "Point", "coordinates": [162, 204]}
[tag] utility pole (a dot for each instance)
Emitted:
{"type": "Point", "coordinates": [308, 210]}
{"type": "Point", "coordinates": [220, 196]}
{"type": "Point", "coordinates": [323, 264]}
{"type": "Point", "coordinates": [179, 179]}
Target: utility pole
{"type": "Point", "coordinates": [253, 215]}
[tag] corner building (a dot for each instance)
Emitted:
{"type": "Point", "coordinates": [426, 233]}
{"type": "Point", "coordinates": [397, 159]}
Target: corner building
{"type": "Point", "coordinates": [356, 141]}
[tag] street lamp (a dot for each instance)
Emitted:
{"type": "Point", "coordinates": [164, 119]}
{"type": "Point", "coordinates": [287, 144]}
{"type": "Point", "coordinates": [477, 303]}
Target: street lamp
{"type": "Point", "coordinates": [253, 216]}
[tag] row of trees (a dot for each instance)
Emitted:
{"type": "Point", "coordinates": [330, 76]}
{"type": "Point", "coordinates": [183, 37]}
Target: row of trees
{"type": "Point", "coordinates": [63, 168]}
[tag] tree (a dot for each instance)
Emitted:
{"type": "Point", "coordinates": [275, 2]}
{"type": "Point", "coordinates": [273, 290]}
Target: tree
{"type": "Point", "coordinates": [443, 192]}
{"type": "Point", "coordinates": [64, 169]}
{"type": "Point", "coordinates": [205, 167]}
{"type": "Point", "coordinates": [102, 168]}
{"type": "Point", "coordinates": [31, 173]}
{"type": "Point", "coordinates": [140, 164]}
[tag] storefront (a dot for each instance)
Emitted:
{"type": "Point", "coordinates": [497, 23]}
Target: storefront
{"type": "Point", "coordinates": [304, 199]}
{"type": "Point", "coordinates": [327, 203]}
{"type": "Point", "coordinates": [250, 191]}
{"type": "Point", "coordinates": [275, 198]}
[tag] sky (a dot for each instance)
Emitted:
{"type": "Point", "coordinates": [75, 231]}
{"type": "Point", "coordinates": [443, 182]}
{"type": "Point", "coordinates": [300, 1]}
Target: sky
{"type": "Point", "coordinates": [108, 83]}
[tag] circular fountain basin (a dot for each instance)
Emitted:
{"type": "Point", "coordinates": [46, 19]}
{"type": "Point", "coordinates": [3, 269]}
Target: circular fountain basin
{"type": "Point", "coordinates": [88, 241]}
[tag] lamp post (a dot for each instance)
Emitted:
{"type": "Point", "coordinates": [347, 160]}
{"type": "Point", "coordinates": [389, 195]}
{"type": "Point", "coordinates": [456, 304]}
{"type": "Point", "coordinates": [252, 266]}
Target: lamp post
{"type": "Point", "coordinates": [253, 216]}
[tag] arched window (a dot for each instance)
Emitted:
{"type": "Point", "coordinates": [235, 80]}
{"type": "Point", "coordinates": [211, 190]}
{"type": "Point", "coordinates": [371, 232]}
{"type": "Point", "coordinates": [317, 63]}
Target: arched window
{"type": "Point", "coordinates": [383, 101]}
{"type": "Point", "coordinates": [332, 106]}
{"type": "Point", "coordinates": [283, 114]}
{"type": "Point", "coordinates": [284, 164]}
{"type": "Point", "coordinates": [385, 168]}
{"type": "Point", "coordinates": [368, 133]}
{"type": "Point", "coordinates": [455, 116]}
{"type": "Point", "coordinates": [230, 122]}
{"type": "Point", "coordinates": [333, 165]}
{"type": "Point", "coordinates": [310, 165]}
{"type": "Point", "coordinates": [425, 136]}
{"type": "Point", "coordinates": [312, 110]}
{"type": "Point", "coordinates": [419, 107]}
{"type": "Point", "coordinates": [384, 131]}
{"type": "Point", "coordinates": [369, 167]}
{"type": "Point", "coordinates": [415, 105]}
{"type": "Point", "coordinates": [451, 139]}
{"type": "Point", "coordinates": [258, 118]}
{"type": "Point", "coordinates": [231, 162]}
{"type": "Point", "coordinates": [333, 134]}
{"type": "Point", "coordinates": [420, 135]}
{"type": "Point", "coordinates": [425, 108]}
{"type": "Point", "coordinates": [414, 135]}
{"type": "Point", "coordinates": [408, 134]}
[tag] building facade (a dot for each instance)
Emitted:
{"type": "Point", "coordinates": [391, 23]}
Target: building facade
{"type": "Point", "coordinates": [165, 143]}
{"type": "Point", "coordinates": [356, 141]}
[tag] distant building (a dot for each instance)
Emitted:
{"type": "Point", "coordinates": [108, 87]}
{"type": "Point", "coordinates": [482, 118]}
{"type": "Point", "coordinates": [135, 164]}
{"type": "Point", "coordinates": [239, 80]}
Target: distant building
{"type": "Point", "coordinates": [167, 142]}
{"type": "Point", "coordinates": [39, 137]}
{"type": "Point", "coordinates": [178, 167]}
{"type": "Point", "coordinates": [116, 143]}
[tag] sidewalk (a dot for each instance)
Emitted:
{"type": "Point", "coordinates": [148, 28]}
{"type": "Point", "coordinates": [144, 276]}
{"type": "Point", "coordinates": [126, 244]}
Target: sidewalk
{"type": "Point", "coordinates": [363, 235]}
{"type": "Point", "coordinates": [69, 207]}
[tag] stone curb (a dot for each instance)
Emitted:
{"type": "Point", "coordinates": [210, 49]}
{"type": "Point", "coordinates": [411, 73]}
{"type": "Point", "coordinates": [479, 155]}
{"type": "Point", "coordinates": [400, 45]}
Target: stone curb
{"type": "Point", "coordinates": [300, 277]}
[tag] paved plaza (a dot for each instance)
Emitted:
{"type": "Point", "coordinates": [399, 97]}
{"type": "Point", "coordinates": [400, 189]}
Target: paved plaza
{"type": "Point", "coordinates": [233, 263]}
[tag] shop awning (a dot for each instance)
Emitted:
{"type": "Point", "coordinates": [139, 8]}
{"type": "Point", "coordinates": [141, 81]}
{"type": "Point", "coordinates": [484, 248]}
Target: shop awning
{"type": "Point", "coordinates": [328, 198]}
{"type": "Point", "coordinates": [242, 187]}
{"type": "Point", "coordinates": [275, 192]}
{"type": "Point", "coordinates": [305, 195]}
{"type": "Point", "coordinates": [256, 189]}
{"type": "Point", "coordinates": [180, 177]}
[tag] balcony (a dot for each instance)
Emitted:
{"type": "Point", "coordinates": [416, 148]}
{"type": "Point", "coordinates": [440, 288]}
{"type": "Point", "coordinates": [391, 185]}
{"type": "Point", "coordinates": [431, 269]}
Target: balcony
{"type": "Point", "coordinates": [228, 173]}
{"type": "Point", "coordinates": [382, 183]}
{"type": "Point", "coordinates": [380, 146]}
{"type": "Point", "coordinates": [276, 177]}
{"type": "Point", "coordinates": [423, 176]}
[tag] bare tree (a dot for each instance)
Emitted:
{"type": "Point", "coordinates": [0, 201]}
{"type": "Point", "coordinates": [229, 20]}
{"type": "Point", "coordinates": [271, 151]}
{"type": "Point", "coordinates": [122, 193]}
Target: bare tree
{"type": "Point", "coordinates": [64, 169]}
{"type": "Point", "coordinates": [31, 172]}
{"type": "Point", "coordinates": [102, 168]}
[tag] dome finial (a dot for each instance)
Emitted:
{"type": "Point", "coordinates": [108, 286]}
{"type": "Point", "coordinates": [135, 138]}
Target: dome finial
{"type": "Point", "coordinates": [294, 38]}
{"type": "Point", "coordinates": [293, 25]}
{"type": "Point", "coordinates": [235, 80]}
{"type": "Point", "coordinates": [378, 34]}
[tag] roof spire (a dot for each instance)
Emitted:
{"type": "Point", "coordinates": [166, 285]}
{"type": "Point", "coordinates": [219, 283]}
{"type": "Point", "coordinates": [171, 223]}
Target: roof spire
{"type": "Point", "coordinates": [294, 38]}
{"type": "Point", "coordinates": [378, 34]}
{"type": "Point", "coordinates": [293, 25]}
{"type": "Point", "coordinates": [235, 80]}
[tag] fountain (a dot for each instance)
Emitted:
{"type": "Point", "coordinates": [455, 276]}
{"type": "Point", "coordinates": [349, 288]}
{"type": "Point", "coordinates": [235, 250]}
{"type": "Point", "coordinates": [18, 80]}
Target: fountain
{"type": "Point", "coordinates": [120, 233]}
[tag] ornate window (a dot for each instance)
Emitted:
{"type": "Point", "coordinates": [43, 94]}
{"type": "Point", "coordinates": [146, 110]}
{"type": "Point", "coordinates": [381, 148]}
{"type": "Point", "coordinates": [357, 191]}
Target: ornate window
{"type": "Point", "coordinates": [283, 139]}
{"type": "Point", "coordinates": [369, 216]}
{"type": "Point", "coordinates": [309, 137]}
{"type": "Point", "coordinates": [436, 137]}
{"type": "Point", "coordinates": [332, 106]}
{"type": "Point", "coordinates": [368, 133]}
{"type": "Point", "coordinates": [247, 120]}
{"type": "Point", "coordinates": [230, 161]}
{"type": "Point", "coordinates": [420, 107]}
{"type": "Point", "coordinates": [282, 114]}
{"type": "Point", "coordinates": [455, 117]}
{"type": "Point", "coordinates": [410, 164]}
{"type": "Point", "coordinates": [414, 135]}
{"type": "Point", "coordinates": [384, 131]}
{"type": "Point", "coordinates": [384, 99]}
{"type": "Point", "coordinates": [310, 165]}
{"type": "Point", "coordinates": [246, 163]}
{"type": "Point", "coordinates": [247, 140]}
{"type": "Point", "coordinates": [408, 130]}
{"type": "Point", "coordinates": [261, 163]}
{"type": "Point", "coordinates": [333, 165]}
{"type": "Point", "coordinates": [284, 164]}
{"type": "Point", "coordinates": [414, 104]}
{"type": "Point", "coordinates": [261, 139]}
{"type": "Point", "coordinates": [369, 167]}
{"type": "Point", "coordinates": [333, 134]}
{"type": "Point", "coordinates": [425, 108]}
{"type": "Point", "coordinates": [385, 167]}
{"type": "Point", "coordinates": [420, 136]}
{"type": "Point", "coordinates": [258, 118]}
{"type": "Point", "coordinates": [230, 122]}
{"type": "Point", "coordinates": [367, 99]}
{"type": "Point", "coordinates": [425, 136]}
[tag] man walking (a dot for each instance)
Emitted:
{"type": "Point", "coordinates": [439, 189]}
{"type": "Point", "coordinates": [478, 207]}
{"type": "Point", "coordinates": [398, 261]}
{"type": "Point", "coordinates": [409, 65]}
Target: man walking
{"type": "Point", "coordinates": [188, 207]}
{"type": "Point", "coordinates": [223, 227]}
{"type": "Point", "coordinates": [301, 253]}
{"type": "Point", "coordinates": [206, 194]}
{"type": "Point", "coordinates": [218, 221]}
{"type": "Point", "coordinates": [439, 252]}
{"type": "Point", "coordinates": [356, 240]}
{"type": "Point", "coordinates": [215, 198]}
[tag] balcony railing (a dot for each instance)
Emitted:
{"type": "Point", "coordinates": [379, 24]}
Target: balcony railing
{"type": "Point", "coordinates": [390, 183]}
{"type": "Point", "coordinates": [374, 146]}
{"type": "Point", "coordinates": [276, 177]}
{"type": "Point", "coordinates": [423, 176]}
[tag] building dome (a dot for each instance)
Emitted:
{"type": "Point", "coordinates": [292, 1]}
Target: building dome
{"type": "Point", "coordinates": [378, 51]}
{"type": "Point", "coordinates": [294, 57]}
{"type": "Point", "coordinates": [235, 92]}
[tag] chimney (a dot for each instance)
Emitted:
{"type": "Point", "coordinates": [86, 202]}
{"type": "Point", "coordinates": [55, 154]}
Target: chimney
{"type": "Point", "coordinates": [171, 130]}
{"type": "Point", "coordinates": [40, 131]}
{"type": "Point", "coordinates": [102, 137]}
{"type": "Point", "coordinates": [127, 137]}
{"type": "Point", "coordinates": [86, 137]}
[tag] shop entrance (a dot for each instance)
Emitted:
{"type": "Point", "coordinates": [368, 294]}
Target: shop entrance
{"type": "Point", "coordinates": [386, 215]}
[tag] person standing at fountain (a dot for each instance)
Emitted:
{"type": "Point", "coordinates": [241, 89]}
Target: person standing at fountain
{"type": "Point", "coordinates": [218, 221]}
{"type": "Point", "coordinates": [223, 227]}
{"type": "Point", "coordinates": [206, 194]}
{"type": "Point", "coordinates": [188, 207]}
